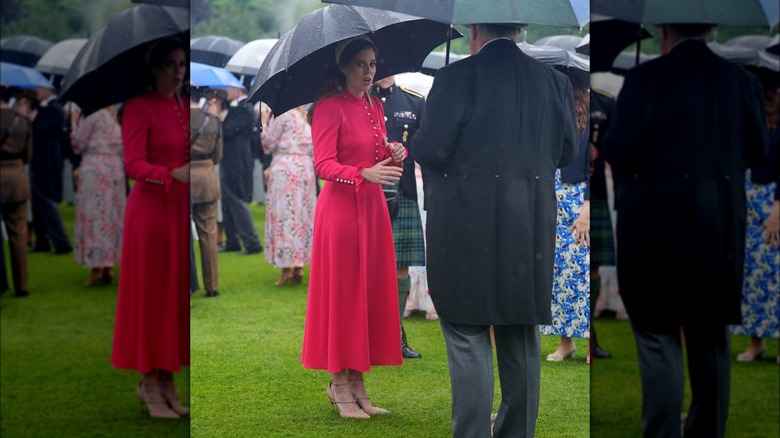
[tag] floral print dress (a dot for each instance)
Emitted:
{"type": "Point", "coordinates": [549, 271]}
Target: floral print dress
{"type": "Point", "coordinates": [100, 195]}
{"type": "Point", "coordinates": [291, 193]}
{"type": "Point", "coordinates": [571, 275]}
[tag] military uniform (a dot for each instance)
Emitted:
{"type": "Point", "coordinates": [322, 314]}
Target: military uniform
{"type": "Point", "coordinates": [403, 111]}
{"type": "Point", "coordinates": [15, 152]}
{"type": "Point", "coordinates": [206, 151]}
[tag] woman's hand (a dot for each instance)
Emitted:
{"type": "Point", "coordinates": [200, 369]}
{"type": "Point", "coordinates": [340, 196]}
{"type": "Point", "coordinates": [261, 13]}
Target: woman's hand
{"type": "Point", "coordinates": [266, 174]}
{"type": "Point", "coordinates": [181, 174]}
{"type": "Point", "coordinates": [772, 225]}
{"type": "Point", "coordinates": [382, 173]}
{"type": "Point", "coordinates": [397, 151]}
{"type": "Point", "coordinates": [581, 226]}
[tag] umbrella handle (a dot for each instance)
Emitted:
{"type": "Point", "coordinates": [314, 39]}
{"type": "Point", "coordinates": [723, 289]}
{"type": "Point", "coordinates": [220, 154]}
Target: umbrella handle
{"type": "Point", "coordinates": [449, 38]}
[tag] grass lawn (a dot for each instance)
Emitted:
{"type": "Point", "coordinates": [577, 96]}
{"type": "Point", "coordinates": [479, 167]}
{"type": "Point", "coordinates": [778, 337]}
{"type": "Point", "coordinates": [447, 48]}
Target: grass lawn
{"type": "Point", "coordinates": [616, 403]}
{"type": "Point", "coordinates": [56, 378]}
{"type": "Point", "coordinates": [247, 379]}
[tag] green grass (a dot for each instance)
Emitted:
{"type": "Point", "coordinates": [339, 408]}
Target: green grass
{"type": "Point", "coordinates": [247, 379]}
{"type": "Point", "coordinates": [56, 378]}
{"type": "Point", "coordinates": [754, 409]}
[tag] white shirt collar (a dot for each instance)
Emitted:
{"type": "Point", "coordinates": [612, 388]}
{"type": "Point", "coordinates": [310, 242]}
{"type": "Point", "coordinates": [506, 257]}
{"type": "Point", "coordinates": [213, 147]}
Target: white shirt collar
{"type": "Point", "coordinates": [494, 39]}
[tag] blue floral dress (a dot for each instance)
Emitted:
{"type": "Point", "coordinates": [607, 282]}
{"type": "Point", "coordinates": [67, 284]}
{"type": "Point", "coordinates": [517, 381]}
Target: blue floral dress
{"type": "Point", "coordinates": [761, 284]}
{"type": "Point", "coordinates": [571, 275]}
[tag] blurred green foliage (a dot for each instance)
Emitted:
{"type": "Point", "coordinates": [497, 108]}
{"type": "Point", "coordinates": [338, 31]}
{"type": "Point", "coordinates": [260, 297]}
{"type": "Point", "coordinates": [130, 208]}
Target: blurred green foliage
{"type": "Point", "coordinates": [57, 20]}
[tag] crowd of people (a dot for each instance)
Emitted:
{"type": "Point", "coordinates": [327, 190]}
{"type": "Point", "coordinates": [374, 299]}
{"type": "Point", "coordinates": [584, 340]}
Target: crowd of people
{"type": "Point", "coordinates": [507, 239]}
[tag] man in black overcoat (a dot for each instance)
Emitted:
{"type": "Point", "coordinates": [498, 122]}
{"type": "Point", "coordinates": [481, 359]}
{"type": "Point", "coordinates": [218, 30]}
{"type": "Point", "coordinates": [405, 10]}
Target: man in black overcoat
{"type": "Point", "coordinates": [686, 127]}
{"type": "Point", "coordinates": [50, 144]}
{"type": "Point", "coordinates": [496, 127]}
{"type": "Point", "coordinates": [241, 140]}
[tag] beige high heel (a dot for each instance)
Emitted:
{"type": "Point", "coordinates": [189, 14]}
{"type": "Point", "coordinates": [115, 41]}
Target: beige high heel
{"type": "Point", "coordinates": [168, 392]}
{"type": "Point", "coordinates": [359, 413]}
{"type": "Point", "coordinates": [150, 396]}
{"type": "Point", "coordinates": [365, 402]}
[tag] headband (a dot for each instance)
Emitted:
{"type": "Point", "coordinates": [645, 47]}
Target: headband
{"type": "Point", "coordinates": [341, 45]}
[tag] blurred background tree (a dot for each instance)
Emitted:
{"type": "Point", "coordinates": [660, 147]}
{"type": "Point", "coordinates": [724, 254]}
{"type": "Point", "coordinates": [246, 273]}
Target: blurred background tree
{"type": "Point", "coordinates": [57, 20]}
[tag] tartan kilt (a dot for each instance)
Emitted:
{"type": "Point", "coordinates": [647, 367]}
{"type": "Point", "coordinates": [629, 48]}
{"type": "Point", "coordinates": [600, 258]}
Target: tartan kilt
{"type": "Point", "coordinates": [408, 234]}
{"type": "Point", "coordinates": [602, 251]}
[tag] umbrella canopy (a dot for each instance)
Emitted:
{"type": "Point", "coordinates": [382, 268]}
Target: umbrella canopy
{"type": "Point", "coordinates": [774, 45]}
{"type": "Point", "coordinates": [737, 13]}
{"type": "Point", "coordinates": [296, 66]}
{"type": "Point", "coordinates": [58, 59]}
{"type": "Point", "coordinates": [23, 50]}
{"type": "Point", "coordinates": [419, 82]}
{"type": "Point", "coordinates": [625, 61]}
{"type": "Point", "coordinates": [755, 42]}
{"type": "Point", "coordinates": [111, 67]}
{"type": "Point", "coordinates": [556, 56]}
{"type": "Point", "coordinates": [566, 42]}
{"type": "Point", "coordinates": [248, 59]}
{"type": "Point", "coordinates": [583, 47]}
{"type": "Point", "coordinates": [435, 61]}
{"type": "Point", "coordinates": [566, 13]}
{"type": "Point", "coordinates": [214, 50]}
{"type": "Point", "coordinates": [610, 37]}
{"type": "Point", "coordinates": [202, 75]}
{"type": "Point", "coordinates": [13, 75]}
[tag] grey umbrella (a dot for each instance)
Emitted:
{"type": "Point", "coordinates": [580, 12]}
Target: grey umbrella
{"type": "Point", "coordinates": [58, 59]}
{"type": "Point", "coordinates": [566, 42]}
{"type": "Point", "coordinates": [23, 49]}
{"type": "Point", "coordinates": [737, 13]}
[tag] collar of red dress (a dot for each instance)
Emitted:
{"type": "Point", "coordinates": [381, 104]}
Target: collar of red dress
{"type": "Point", "coordinates": [349, 97]}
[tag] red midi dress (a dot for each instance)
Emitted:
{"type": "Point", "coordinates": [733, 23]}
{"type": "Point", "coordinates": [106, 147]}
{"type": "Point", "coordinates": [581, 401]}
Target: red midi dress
{"type": "Point", "coordinates": [352, 319]}
{"type": "Point", "coordinates": [152, 329]}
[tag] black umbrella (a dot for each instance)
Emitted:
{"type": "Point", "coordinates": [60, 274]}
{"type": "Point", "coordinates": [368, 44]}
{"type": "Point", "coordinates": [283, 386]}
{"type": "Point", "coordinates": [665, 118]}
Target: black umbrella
{"type": "Point", "coordinates": [560, 58]}
{"type": "Point", "coordinates": [111, 67]}
{"type": "Point", "coordinates": [23, 50]}
{"type": "Point", "coordinates": [296, 66]}
{"type": "Point", "coordinates": [774, 45]}
{"type": "Point", "coordinates": [610, 36]}
{"type": "Point", "coordinates": [583, 47]}
{"type": "Point", "coordinates": [213, 50]}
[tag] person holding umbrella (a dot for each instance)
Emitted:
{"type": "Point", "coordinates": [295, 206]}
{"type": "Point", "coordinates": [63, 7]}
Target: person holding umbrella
{"type": "Point", "coordinates": [351, 315]}
{"type": "Point", "coordinates": [152, 330]}
{"type": "Point", "coordinates": [686, 127]}
{"type": "Point", "coordinates": [491, 144]}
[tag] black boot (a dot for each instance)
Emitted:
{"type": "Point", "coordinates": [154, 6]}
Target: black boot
{"type": "Point", "coordinates": [407, 351]}
{"type": "Point", "coordinates": [598, 352]}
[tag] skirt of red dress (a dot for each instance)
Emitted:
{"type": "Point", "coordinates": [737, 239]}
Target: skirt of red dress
{"type": "Point", "coordinates": [352, 319]}
{"type": "Point", "coordinates": [152, 328]}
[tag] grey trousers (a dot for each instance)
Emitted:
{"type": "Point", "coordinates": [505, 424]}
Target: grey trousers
{"type": "Point", "coordinates": [238, 224]}
{"type": "Point", "coordinates": [663, 379]}
{"type": "Point", "coordinates": [470, 357]}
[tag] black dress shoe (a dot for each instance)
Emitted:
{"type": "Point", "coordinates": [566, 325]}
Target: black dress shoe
{"type": "Point", "coordinates": [229, 249]}
{"type": "Point", "coordinates": [39, 249]}
{"type": "Point", "coordinates": [21, 294]}
{"type": "Point", "coordinates": [407, 351]}
{"type": "Point", "coordinates": [66, 250]}
{"type": "Point", "coordinates": [212, 294]}
{"type": "Point", "coordinates": [252, 251]}
{"type": "Point", "coordinates": [599, 353]}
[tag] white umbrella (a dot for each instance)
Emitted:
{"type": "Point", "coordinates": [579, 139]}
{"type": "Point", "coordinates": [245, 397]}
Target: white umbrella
{"type": "Point", "coordinates": [248, 59]}
{"type": "Point", "coordinates": [58, 59]}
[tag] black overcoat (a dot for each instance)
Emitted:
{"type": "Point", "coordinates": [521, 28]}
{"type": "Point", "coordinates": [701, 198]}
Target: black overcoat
{"type": "Point", "coordinates": [50, 138]}
{"type": "Point", "coordinates": [496, 126]}
{"type": "Point", "coordinates": [686, 127]}
{"type": "Point", "coordinates": [241, 139]}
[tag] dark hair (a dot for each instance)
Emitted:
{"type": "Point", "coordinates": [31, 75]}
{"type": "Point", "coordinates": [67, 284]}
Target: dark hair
{"type": "Point", "coordinates": [687, 30]}
{"type": "Point", "coordinates": [580, 88]}
{"type": "Point", "coordinates": [335, 81]}
{"type": "Point", "coordinates": [157, 53]}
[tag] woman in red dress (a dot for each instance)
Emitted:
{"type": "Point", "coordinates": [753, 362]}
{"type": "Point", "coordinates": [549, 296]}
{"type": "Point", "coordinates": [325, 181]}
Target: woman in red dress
{"type": "Point", "coordinates": [352, 310]}
{"type": "Point", "coordinates": [152, 331]}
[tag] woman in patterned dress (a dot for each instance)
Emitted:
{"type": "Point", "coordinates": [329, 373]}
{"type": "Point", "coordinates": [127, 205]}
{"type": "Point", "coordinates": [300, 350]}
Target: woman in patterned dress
{"type": "Point", "coordinates": [761, 282]}
{"type": "Point", "coordinates": [291, 193]}
{"type": "Point", "coordinates": [571, 275]}
{"type": "Point", "coordinates": [100, 194]}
